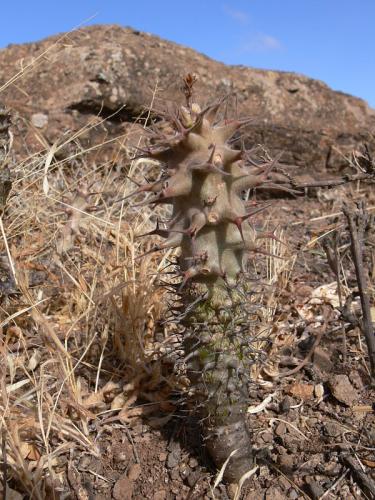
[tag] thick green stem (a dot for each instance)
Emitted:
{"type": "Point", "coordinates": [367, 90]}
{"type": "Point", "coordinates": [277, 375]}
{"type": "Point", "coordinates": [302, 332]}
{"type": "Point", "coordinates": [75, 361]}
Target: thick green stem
{"type": "Point", "coordinates": [219, 357]}
{"type": "Point", "coordinates": [204, 179]}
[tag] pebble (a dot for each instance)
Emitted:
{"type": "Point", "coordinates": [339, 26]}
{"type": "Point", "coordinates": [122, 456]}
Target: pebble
{"type": "Point", "coordinates": [332, 429]}
{"type": "Point", "coordinates": [39, 120]}
{"type": "Point", "coordinates": [280, 429]}
{"type": "Point", "coordinates": [342, 389]}
{"type": "Point", "coordinates": [123, 489]}
{"type": "Point", "coordinates": [175, 475]}
{"type": "Point", "coordinates": [356, 380]}
{"type": "Point", "coordinates": [291, 443]}
{"type": "Point", "coordinates": [315, 489]}
{"type": "Point", "coordinates": [174, 456]}
{"type": "Point", "coordinates": [285, 404]}
{"type": "Point", "coordinates": [134, 472]}
{"type": "Point", "coordinates": [192, 478]}
{"type": "Point", "coordinates": [267, 437]}
{"type": "Point", "coordinates": [286, 461]}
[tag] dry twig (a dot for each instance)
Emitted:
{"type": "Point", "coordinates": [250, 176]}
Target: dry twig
{"type": "Point", "coordinates": [357, 222]}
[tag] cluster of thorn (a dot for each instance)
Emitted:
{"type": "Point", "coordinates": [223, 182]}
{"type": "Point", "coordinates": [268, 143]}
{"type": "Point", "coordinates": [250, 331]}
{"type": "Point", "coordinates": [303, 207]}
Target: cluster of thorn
{"type": "Point", "coordinates": [205, 179]}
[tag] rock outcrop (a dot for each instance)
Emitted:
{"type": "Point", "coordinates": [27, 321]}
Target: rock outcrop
{"type": "Point", "coordinates": [68, 81]}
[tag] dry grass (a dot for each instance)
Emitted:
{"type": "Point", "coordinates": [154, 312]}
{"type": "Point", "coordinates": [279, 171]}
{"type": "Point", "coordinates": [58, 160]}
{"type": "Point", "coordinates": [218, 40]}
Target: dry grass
{"type": "Point", "coordinates": [77, 340]}
{"type": "Point", "coordinates": [83, 319]}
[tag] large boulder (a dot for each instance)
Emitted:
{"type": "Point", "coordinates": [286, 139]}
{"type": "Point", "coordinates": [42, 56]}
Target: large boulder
{"type": "Point", "coordinates": [68, 81]}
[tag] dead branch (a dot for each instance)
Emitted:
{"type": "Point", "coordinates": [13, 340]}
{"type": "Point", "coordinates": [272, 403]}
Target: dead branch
{"type": "Point", "coordinates": [357, 223]}
{"type": "Point", "coordinates": [329, 183]}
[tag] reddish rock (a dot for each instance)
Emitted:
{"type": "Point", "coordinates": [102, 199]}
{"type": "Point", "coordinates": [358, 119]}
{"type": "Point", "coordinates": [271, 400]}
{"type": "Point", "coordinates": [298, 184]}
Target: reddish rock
{"type": "Point", "coordinates": [342, 389]}
{"type": "Point", "coordinates": [301, 390]}
{"type": "Point", "coordinates": [123, 489]}
{"type": "Point", "coordinates": [110, 71]}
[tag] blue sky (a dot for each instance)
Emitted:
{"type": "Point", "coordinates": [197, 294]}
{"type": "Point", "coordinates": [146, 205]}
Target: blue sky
{"type": "Point", "coordinates": [332, 40]}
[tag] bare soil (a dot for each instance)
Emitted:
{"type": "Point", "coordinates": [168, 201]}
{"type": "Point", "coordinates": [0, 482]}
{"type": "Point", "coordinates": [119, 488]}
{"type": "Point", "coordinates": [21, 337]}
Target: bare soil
{"type": "Point", "coordinates": [93, 393]}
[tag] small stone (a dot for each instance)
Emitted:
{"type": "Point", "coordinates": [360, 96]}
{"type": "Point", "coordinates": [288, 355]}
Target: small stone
{"type": "Point", "coordinates": [315, 489]}
{"type": "Point", "coordinates": [332, 429]}
{"type": "Point", "coordinates": [291, 443]}
{"type": "Point", "coordinates": [356, 380]}
{"type": "Point", "coordinates": [175, 489]}
{"type": "Point", "coordinates": [193, 463]}
{"type": "Point", "coordinates": [175, 475]}
{"type": "Point", "coordinates": [193, 478]}
{"type": "Point", "coordinates": [342, 389]}
{"type": "Point", "coordinates": [285, 404]}
{"type": "Point", "coordinates": [174, 456]}
{"type": "Point", "coordinates": [172, 460]}
{"type": "Point", "coordinates": [267, 437]}
{"type": "Point", "coordinates": [280, 429]}
{"type": "Point", "coordinates": [39, 120]}
{"type": "Point", "coordinates": [123, 489]}
{"type": "Point", "coordinates": [284, 483]}
{"type": "Point", "coordinates": [286, 461]}
{"type": "Point", "coordinates": [162, 457]}
{"type": "Point", "coordinates": [319, 391]}
{"type": "Point", "coordinates": [134, 472]}
{"type": "Point", "coordinates": [302, 391]}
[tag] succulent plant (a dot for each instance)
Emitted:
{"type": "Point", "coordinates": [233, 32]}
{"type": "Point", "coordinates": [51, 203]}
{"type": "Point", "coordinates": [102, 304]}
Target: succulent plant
{"type": "Point", "coordinates": [204, 179]}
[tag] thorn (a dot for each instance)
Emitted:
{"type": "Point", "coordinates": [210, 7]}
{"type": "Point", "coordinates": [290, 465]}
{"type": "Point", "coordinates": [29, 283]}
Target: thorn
{"type": "Point", "coordinates": [198, 125]}
{"type": "Point", "coordinates": [211, 111]}
{"type": "Point", "coordinates": [197, 222]}
{"type": "Point", "coordinates": [247, 182]}
{"type": "Point", "coordinates": [164, 233]}
{"type": "Point", "coordinates": [157, 200]}
{"type": "Point", "coordinates": [250, 247]}
{"type": "Point", "coordinates": [238, 221]}
{"type": "Point", "coordinates": [187, 275]}
{"type": "Point", "coordinates": [232, 155]}
{"type": "Point", "coordinates": [172, 242]}
{"type": "Point", "coordinates": [155, 248]}
{"type": "Point", "coordinates": [225, 132]}
{"type": "Point", "coordinates": [209, 167]}
{"type": "Point", "coordinates": [270, 235]}
{"type": "Point", "coordinates": [154, 186]}
{"type": "Point", "coordinates": [213, 150]}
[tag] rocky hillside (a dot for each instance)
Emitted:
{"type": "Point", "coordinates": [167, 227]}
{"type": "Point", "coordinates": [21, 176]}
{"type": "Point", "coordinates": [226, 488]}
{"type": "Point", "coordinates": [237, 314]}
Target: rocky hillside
{"type": "Point", "coordinates": [67, 81]}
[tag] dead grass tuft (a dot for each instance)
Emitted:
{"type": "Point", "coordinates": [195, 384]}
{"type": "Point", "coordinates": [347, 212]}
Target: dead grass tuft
{"type": "Point", "coordinates": [77, 338]}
